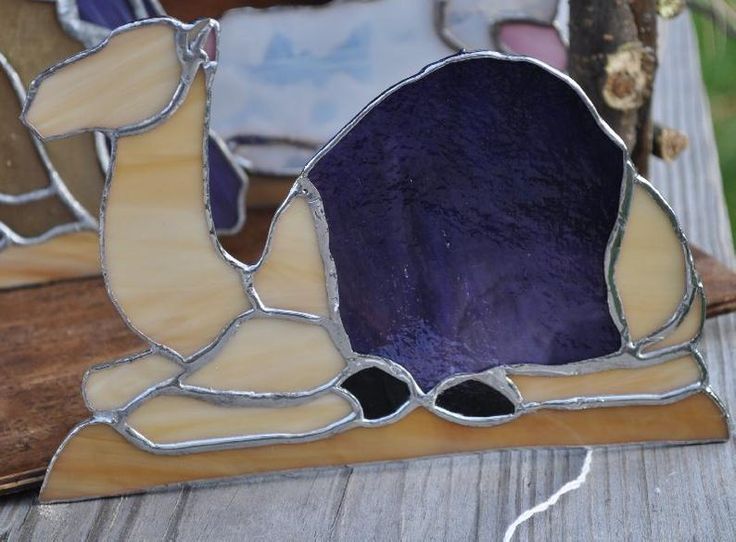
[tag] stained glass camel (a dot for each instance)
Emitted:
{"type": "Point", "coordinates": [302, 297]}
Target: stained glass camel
{"type": "Point", "coordinates": [458, 269]}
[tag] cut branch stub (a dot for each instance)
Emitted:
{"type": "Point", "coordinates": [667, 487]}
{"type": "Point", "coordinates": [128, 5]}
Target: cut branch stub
{"type": "Point", "coordinates": [668, 143]}
{"type": "Point", "coordinates": [629, 76]}
{"type": "Point", "coordinates": [669, 9]}
{"type": "Point", "coordinates": [613, 58]}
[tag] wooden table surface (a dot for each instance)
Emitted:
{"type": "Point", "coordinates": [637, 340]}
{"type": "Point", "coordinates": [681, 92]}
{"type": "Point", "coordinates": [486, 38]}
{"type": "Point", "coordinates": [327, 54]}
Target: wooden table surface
{"type": "Point", "coordinates": [674, 493]}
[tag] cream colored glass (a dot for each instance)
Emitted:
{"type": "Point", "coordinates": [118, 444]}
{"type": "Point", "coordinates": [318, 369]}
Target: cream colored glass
{"type": "Point", "coordinates": [656, 379]}
{"type": "Point", "coordinates": [271, 355]}
{"type": "Point", "coordinates": [136, 74]}
{"type": "Point", "coordinates": [650, 270]}
{"type": "Point", "coordinates": [169, 419]}
{"type": "Point", "coordinates": [114, 386]}
{"type": "Point", "coordinates": [66, 256]}
{"type": "Point", "coordinates": [163, 266]}
{"type": "Point", "coordinates": [687, 329]}
{"type": "Point", "coordinates": [292, 275]}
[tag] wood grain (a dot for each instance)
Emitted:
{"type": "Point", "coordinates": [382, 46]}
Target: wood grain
{"type": "Point", "coordinates": [678, 493]}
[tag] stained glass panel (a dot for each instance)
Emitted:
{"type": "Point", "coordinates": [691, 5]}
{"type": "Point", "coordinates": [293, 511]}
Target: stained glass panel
{"type": "Point", "coordinates": [481, 237]}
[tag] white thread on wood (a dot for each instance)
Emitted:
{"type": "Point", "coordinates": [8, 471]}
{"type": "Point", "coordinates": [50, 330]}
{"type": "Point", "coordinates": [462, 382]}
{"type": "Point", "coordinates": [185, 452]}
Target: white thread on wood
{"type": "Point", "coordinates": [572, 485]}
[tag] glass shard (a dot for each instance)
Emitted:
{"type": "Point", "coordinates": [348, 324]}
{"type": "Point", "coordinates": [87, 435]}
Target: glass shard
{"type": "Point", "coordinates": [378, 393]}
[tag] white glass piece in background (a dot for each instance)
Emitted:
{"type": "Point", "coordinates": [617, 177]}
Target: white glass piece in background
{"type": "Point", "coordinates": [282, 76]}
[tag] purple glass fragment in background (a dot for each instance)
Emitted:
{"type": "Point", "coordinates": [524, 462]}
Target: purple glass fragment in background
{"type": "Point", "coordinates": [107, 13]}
{"type": "Point", "coordinates": [469, 213]}
{"type": "Point", "coordinates": [225, 193]}
{"type": "Point", "coordinates": [535, 40]}
{"type": "Point", "coordinates": [225, 181]}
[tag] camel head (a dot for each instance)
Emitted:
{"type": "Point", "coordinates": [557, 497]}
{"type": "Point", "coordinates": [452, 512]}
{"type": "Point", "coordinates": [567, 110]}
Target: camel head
{"type": "Point", "coordinates": [129, 83]}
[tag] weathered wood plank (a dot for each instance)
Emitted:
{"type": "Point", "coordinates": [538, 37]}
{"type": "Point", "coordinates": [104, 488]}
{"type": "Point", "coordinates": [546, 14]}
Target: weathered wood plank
{"type": "Point", "coordinates": [681, 493]}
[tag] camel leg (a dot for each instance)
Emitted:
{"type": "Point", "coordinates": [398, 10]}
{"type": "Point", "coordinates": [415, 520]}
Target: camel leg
{"type": "Point", "coordinates": [114, 385]}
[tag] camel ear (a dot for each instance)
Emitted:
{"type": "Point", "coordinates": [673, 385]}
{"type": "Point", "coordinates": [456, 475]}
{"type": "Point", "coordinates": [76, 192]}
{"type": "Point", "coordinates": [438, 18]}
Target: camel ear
{"type": "Point", "coordinates": [127, 80]}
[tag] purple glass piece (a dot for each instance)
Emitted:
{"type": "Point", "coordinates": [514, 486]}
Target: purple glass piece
{"type": "Point", "coordinates": [108, 13]}
{"type": "Point", "coordinates": [469, 213]}
{"type": "Point", "coordinates": [225, 187]}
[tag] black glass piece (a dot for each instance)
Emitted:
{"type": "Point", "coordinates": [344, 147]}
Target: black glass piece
{"type": "Point", "coordinates": [378, 393]}
{"type": "Point", "coordinates": [475, 399]}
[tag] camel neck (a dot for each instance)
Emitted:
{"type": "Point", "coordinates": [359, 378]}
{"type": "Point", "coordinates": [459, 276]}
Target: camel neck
{"type": "Point", "coordinates": [162, 264]}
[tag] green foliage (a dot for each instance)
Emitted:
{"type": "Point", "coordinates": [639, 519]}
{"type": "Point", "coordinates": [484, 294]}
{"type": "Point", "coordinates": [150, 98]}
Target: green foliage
{"type": "Point", "coordinates": [718, 59]}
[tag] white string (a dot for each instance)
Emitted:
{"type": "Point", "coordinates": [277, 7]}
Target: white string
{"type": "Point", "coordinates": [572, 485]}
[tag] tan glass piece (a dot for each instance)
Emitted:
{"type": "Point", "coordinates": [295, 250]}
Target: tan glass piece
{"type": "Point", "coordinates": [21, 170]}
{"type": "Point", "coordinates": [656, 379]}
{"type": "Point", "coordinates": [271, 355]}
{"type": "Point", "coordinates": [168, 419]}
{"type": "Point", "coordinates": [114, 386]}
{"type": "Point", "coordinates": [66, 256]}
{"type": "Point", "coordinates": [68, 100]}
{"type": "Point", "coordinates": [162, 265]}
{"type": "Point", "coordinates": [292, 275]}
{"type": "Point", "coordinates": [32, 40]}
{"type": "Point", "coordinates": [35, 218]}
{"type": "Point", "coordinates": [650, 270]}
{"type": "Point", "coordinates": [687, 329]}
{"type": "Point", "coordinates": [97, 461]}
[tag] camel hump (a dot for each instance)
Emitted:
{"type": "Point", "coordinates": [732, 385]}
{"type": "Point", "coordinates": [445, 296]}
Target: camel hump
{"type": "Point", "coordinates": [291, 273]}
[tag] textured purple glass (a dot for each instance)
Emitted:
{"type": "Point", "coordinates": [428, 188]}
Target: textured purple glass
{"type": "Point", "coordinates": [225, 184]}
{"type": "Point", "coordinates": [107, 13]}
{"type": "Point", "coordinates": [469, 213]}
{"type": "Point", "coordinates": [225, 187]}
